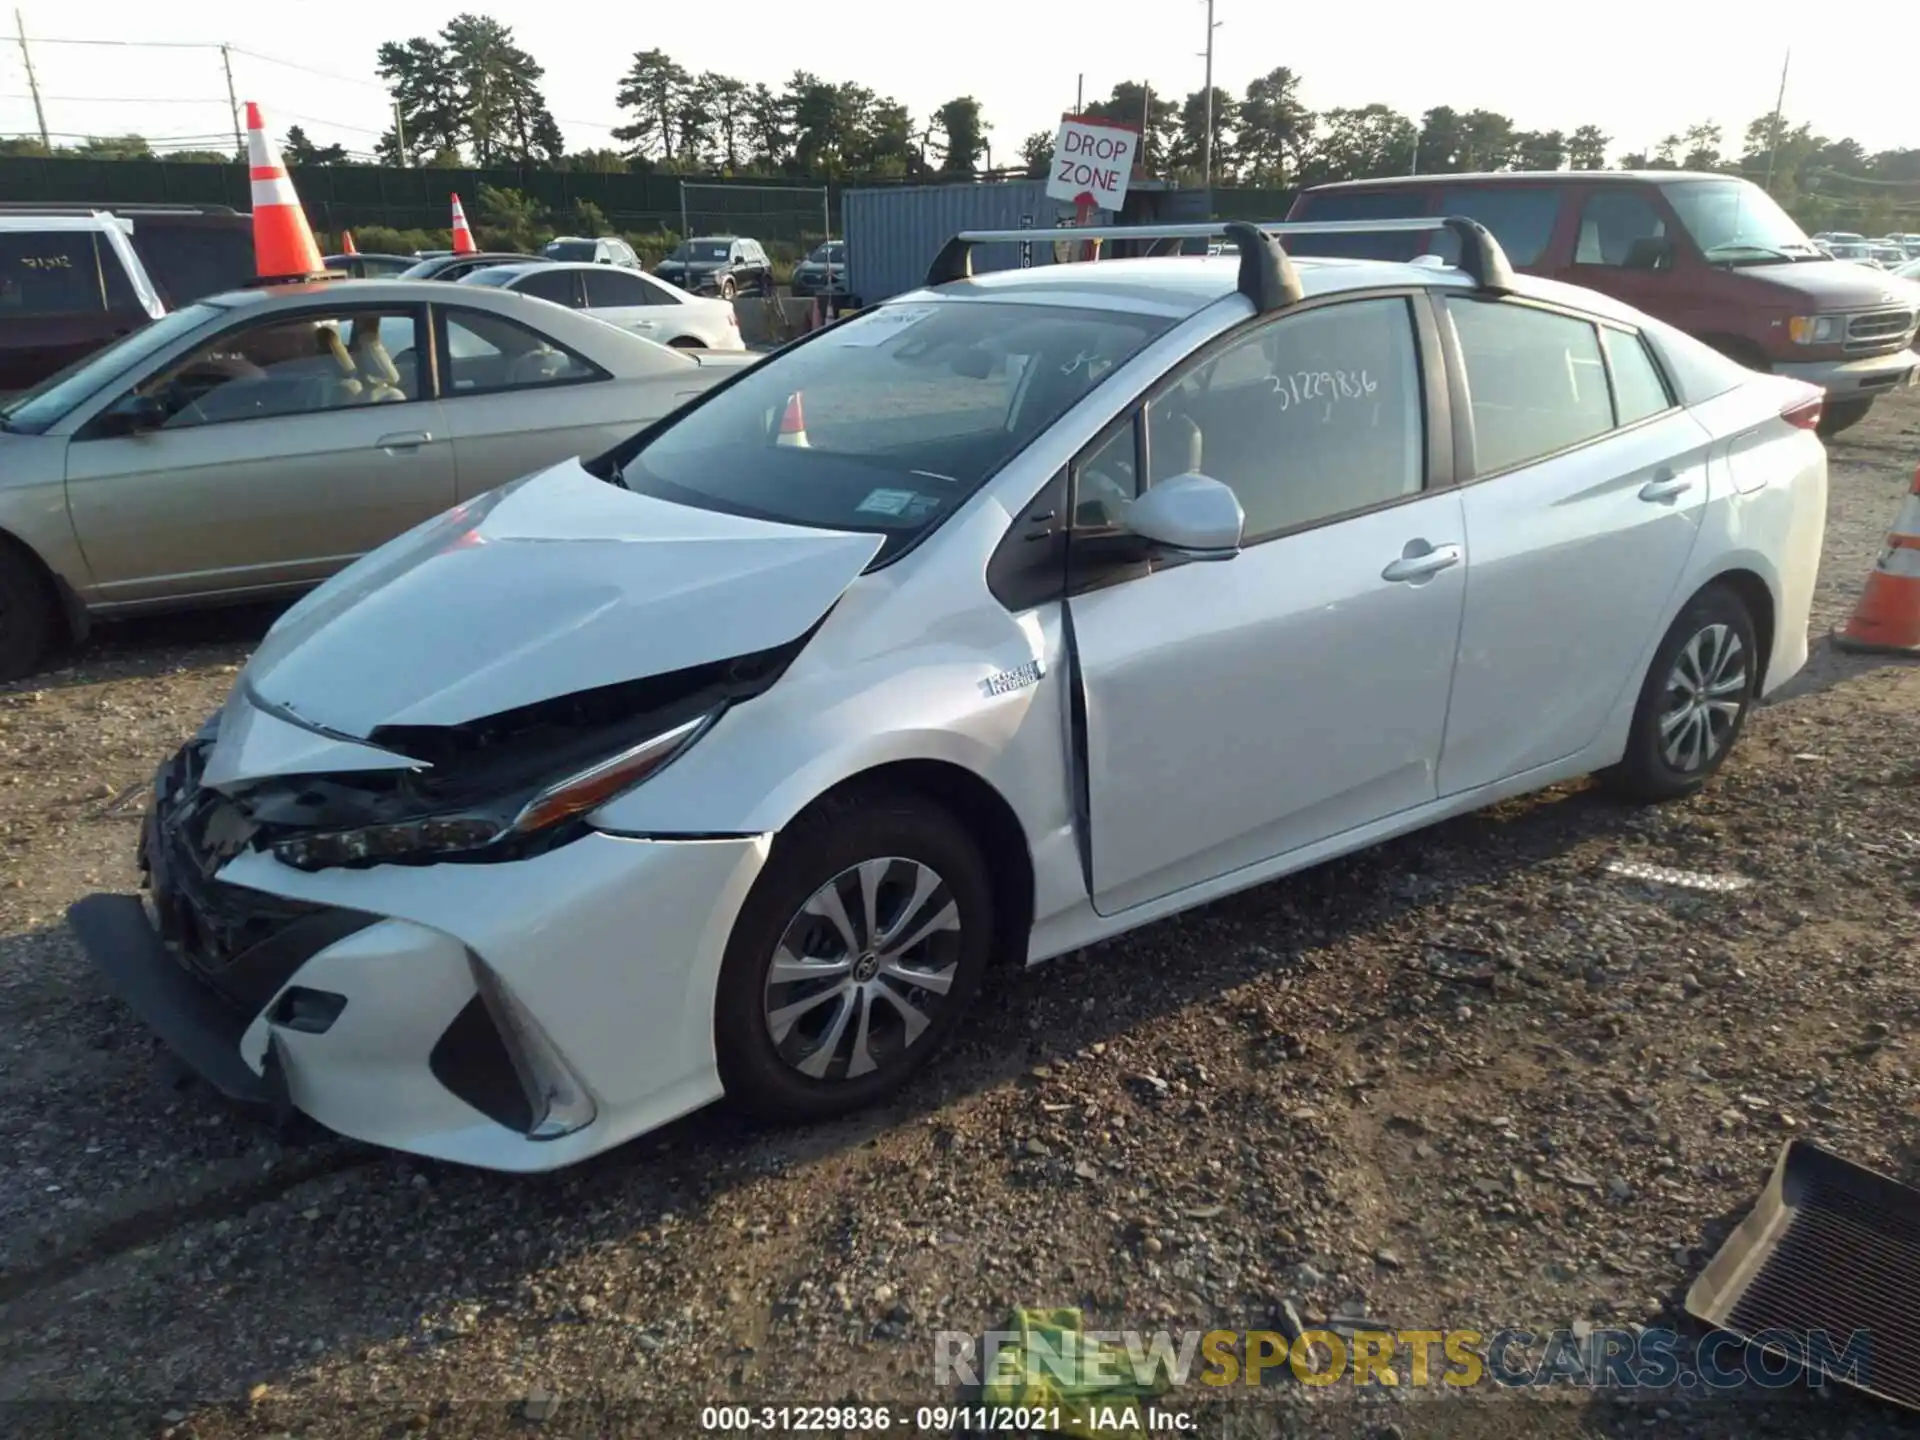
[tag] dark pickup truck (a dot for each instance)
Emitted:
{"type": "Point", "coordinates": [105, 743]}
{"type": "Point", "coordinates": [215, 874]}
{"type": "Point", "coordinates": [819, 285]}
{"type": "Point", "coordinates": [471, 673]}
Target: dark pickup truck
{"type": "Point", "coordinates": [75, 277]}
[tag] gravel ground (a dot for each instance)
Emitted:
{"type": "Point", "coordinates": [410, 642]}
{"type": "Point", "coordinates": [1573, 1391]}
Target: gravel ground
{"type": "Point", "coordinates": [1470, 1078]}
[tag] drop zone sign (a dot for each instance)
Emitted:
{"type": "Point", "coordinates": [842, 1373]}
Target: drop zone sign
{"type": "Point", "coordinates": [1092, 162]}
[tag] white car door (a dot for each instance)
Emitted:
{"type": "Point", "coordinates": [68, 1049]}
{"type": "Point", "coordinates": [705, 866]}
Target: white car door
{"type": "Point", "coordinates": [1584, 509]}
{"type": "Point", "coordinates": [645, 307]}
{"type": "Point", "coordinates": [1237, 710]}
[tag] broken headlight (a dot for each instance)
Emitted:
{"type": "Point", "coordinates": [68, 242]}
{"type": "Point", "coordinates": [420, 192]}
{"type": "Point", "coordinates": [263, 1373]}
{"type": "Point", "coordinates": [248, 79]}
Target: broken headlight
{"type": "Point", "coordinates": [478, 830]}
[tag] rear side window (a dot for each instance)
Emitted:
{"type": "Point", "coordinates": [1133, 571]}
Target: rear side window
{"type": "Point", "coordinates": [1521, 218]}
{"type": "Point", "coordinates": [1638, 388]}
{"type": "Point", "coordinates": [1613, 223]}
{"type": "Point", "coordinates": [1535, 380]}
{"type": "Point", "coordinates": [191, 262]}
{"type": "Point", "coordinates": [1369, 204]}
{"type": "Point", "coordinates": [59, 272]}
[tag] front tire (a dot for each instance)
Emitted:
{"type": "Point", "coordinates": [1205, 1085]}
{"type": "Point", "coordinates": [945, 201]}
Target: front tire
{"type": "Point", "coordinates": [1839, 415]}
{"type": "Point", "coordinates": [1694, 702]}
{"type": "Point", "coordinates": [29, 620]}
{"type": "Point", "coordinates": [854, 958]}
{"type": "Point", "coordinates": [727, 287]}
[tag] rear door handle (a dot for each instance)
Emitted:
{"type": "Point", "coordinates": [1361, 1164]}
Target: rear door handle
{"type": "Point", "coordinates": [1419, 567]}
{"type": "Point", "coordinates": [1665, 486]}
{"type": "Point", "coordinates": [405, 440]}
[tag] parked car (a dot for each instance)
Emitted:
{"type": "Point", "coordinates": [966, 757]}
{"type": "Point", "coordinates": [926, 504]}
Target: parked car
{"type": "Point", "coordinates": [723, 265]}
{"type": "Point", "coordinates": [367, 267]}
{"type": "Point", "coordinates": [606, 250]}
{"type": "Point", "coordinates": [1910, 243]}
{"type": "Point", "coordinates": [996, 621]}
{"type": "Point", "coordinates": [1712, 253]}
{"type": "Point", "coordinates": [253, 443]}
{"type": "Point", "coordinates": [644, 304]}
{"type": "Point", "coordinates": [823, 272]}
{"type": "Point", "coordinates": [1857, 252]}
{"type": "Point", "coordinates": [1886, 256]}
{"type": "Point", "coordinates": [453, 267]}
{"type": "Point", "coordinates": [73, 278]}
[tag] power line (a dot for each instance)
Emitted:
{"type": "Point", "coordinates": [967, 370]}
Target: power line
{"type": "Point", "coordinates": [116, 100]}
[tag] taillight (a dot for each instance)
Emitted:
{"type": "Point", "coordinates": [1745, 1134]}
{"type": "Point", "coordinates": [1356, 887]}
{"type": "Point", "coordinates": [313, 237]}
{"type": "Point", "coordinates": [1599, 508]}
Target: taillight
{"type": "Point", "coordinates": [1805, 414]}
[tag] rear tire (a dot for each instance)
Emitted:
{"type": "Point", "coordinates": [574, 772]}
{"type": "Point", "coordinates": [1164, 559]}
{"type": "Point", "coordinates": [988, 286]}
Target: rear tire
{"type": "Point", "coordinates": [798, 1046]}
{"type": "Point", "coordinates": [1693, 703]}
{"type": "Point", "coordinates": [29, 617]}
{"type": "Point", "coordinates": [727, 287]}
{"type": "Point", "coordinates": [1838, 415]}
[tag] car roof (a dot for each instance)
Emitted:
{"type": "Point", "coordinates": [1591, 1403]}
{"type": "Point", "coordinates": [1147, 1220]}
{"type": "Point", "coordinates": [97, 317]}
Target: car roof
{"type": "Point", "coordinates": [386, 290]}
{"type": "Point", "coordinates": [1179, 285]}
{"type": "Point", "coordinates": [714, 239]}
{"type": "Point", "coordinates": [1518, 177]}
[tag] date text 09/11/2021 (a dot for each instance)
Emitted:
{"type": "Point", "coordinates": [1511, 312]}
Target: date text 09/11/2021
{"type": "Point", "coordinates": [1022, 1420]}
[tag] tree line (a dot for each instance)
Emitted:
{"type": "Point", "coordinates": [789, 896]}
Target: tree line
{"type": "Point", "coordinates": [471, 95]}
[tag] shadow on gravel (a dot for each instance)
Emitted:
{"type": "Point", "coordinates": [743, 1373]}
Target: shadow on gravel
{"type": "Point", "coordinates": [154, 644]}
{"type": "Point", "coordinates": [371, 1236]}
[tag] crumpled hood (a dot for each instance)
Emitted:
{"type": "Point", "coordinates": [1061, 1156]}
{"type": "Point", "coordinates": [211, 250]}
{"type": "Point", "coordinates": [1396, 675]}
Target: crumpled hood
{"type": "Point", "coordinates": [550, 585]}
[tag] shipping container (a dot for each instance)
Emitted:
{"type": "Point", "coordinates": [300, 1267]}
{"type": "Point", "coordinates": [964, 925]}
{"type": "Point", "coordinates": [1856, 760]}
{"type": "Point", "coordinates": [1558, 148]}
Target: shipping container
{"type": "Point", "coordinates": [894, 232]}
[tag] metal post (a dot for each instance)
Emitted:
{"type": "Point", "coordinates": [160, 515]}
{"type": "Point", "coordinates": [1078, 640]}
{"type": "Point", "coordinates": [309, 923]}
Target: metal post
{"type": "Point", "coordinates": [1080, 94]}
{"type": "Point", "coordinates": [686, 274]}
{"type": "Point", "coordinates": [233, 105]}
{"type": "Point", "coordinates": [826, 219]}
{"type": "Point", "coordinates": [1773, 144]}
{"type": "Point", "coordinates": [33, 85]}
{"type": "Point", "coordinates": [1146, 130]}
{"type": "Point", "coordinates": [1206, 163]}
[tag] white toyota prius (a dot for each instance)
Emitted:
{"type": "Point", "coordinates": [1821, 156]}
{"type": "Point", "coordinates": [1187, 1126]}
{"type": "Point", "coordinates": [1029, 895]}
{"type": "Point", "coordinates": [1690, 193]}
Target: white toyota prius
{"type": "Point", "coordinates": [1010, 615]}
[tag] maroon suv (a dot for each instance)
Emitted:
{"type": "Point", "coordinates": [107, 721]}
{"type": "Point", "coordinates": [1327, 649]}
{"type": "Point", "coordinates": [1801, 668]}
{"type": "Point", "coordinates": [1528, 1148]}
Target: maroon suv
{"type": "Point", "coordinates": [1711, 254]}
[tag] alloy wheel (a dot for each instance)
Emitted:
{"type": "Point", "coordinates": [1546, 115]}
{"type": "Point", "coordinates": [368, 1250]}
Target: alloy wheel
{"type": "Point", "coordinates": [862, 970]}
{"type": "Point", "coordinates": [1704, 694]}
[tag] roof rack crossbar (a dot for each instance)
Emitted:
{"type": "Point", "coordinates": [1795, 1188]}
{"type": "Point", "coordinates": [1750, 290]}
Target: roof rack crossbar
{"type": "Point", "coordinates": [1267, 276]}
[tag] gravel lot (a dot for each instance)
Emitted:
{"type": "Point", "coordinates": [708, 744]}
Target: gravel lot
{"type": "Point", "coordinates": [1470, 1078]}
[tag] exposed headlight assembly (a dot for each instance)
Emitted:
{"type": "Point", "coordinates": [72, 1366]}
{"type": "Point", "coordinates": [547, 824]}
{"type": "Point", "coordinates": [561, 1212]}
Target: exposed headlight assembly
{"type": "Point", "coordinates": [473, 832]}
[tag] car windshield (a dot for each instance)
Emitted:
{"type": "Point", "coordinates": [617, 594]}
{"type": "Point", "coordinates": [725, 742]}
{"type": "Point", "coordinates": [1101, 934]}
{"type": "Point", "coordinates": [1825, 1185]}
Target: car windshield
{"type": "Point", "coordinates": [700, 250]}
{"type": "Point", "coordinates": [887, 423]}
{"type": "Point", "coordinates": [829, 253]}
{"type": "Point", "coordinates": [33, 412]}
{"type": "Point", "coordinates": [1736, 221]}
{"type": "Point", "coordinates": [493, 275]}
{"type": "Point", "coordinates": [571, 250]}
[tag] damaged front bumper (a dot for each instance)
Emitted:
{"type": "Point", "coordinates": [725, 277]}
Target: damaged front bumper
{"type": "Point", "coordinates": [518, 1015]}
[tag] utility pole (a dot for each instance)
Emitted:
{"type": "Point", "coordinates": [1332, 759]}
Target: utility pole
{"type": "Point", "coordinates": [1773, 144]}
{"type": "Point", "coordinates": [400, 135]}
{"type": "Point", "coordinates": [1080, 93]}
{"type": "Point", "coordinates": [1146, 128]}
{"type": "Point", "coordinates": [233, 105]}
{"type": "Point", "coordinates": [1206, 162]}
{"type": "Point", "coordinates": [33, 85]}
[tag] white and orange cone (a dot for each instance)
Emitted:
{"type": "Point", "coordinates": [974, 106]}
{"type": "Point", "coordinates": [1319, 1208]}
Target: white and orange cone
{"type": "Point", "coordinates": [793, 425]}
{"type": "Point", "coordinates": [283, 243]}
{"type": "Point", "coordinates": [462, 236]}
{"type": "Point", "coordinates": [346, 243]}
{"type": "Point", "coordinates": [1887, 619]}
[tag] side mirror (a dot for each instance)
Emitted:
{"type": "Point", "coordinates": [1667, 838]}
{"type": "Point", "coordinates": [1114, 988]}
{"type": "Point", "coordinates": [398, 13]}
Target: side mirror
{"type": "Point", "coordinates": [134, 414]}
{"type": "Point", "coordinates": [1194, 516]}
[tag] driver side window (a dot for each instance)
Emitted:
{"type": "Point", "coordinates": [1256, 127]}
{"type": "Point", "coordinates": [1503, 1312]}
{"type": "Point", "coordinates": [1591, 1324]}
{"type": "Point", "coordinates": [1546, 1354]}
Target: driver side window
{"type": "Point", "coordinates": [292, 365]}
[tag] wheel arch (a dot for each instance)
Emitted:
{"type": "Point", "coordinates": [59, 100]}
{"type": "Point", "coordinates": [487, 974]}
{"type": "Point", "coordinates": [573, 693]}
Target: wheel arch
{"type": "Point", "coordinates": [1757, 595]}
{"type": "Point", "coordinates": [987, 816]}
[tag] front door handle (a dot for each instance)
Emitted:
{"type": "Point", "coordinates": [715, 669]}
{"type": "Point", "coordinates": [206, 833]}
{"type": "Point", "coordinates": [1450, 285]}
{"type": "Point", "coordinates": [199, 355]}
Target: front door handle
{"type": "Point", "coordinates": [1665, 486]}
{"type": "Point", "coordinates": [1419, 566]}
{"type": "Point", "coordinates": [406, 440]}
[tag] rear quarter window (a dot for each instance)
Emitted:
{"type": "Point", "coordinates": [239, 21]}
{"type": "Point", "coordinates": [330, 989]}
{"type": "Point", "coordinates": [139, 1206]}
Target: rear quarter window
{"type": "Point", "coordinates": [59, 272]}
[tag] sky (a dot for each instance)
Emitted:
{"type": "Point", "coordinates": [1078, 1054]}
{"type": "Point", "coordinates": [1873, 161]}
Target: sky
{"type": "Point", "coordinates": [1658, 69]}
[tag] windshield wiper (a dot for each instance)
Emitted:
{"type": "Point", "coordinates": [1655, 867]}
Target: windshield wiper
{"type": "Point", "coordinates": [1765, 252]}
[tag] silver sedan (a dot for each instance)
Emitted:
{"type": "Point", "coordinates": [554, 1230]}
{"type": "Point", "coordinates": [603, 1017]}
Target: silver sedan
{"type": "Point", "coordinates": [252, 444]}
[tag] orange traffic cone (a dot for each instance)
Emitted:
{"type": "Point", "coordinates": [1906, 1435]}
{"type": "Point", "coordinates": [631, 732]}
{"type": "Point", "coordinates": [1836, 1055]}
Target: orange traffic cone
{"type": "Point", "coordinates": [462, 236]}
{"type": "Point", "coordinates": [283, 244]}
{"type": "Point", "coordinates": [793, 424]}
{"type": "Point", "coordinates": [346, 242]}
{"type": "Point", "coordinates": [1888, 615]}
